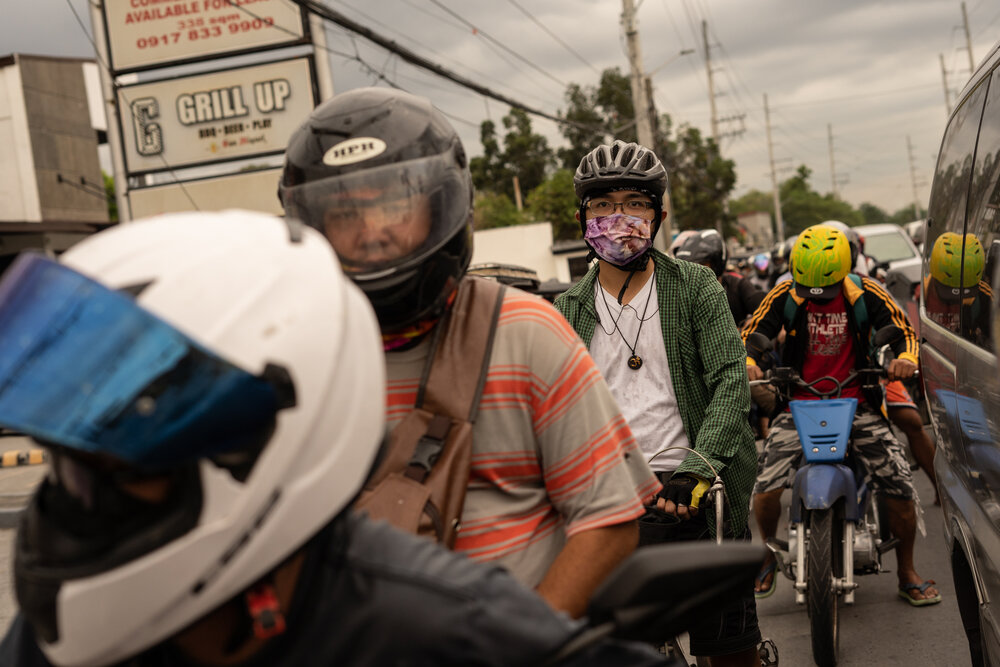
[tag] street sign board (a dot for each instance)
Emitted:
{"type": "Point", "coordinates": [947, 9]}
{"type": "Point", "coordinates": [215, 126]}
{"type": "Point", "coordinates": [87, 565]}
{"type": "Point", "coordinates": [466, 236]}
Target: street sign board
{"type": "Point", "coordinates": [207, 118]}
{"type": "Point", "coordinates": [151, 33]}
{"type": "Point", "coordinates": [252, 190]}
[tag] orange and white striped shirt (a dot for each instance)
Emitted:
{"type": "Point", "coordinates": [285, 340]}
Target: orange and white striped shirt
{"type": "Point", "coordinates": [552, 455]}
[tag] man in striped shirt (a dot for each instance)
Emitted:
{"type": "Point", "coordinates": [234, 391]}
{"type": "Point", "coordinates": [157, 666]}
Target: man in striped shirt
{"type": "Point", "coordinates": [557, 481]}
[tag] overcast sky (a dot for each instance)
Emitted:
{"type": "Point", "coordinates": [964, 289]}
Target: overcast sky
{"type": "Point", "coordinates": [870, 70]}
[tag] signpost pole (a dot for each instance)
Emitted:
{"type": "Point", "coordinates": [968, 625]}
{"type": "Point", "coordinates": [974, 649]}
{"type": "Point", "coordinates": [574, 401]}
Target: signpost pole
{"type": "Point", "coordinates": [110, 110]}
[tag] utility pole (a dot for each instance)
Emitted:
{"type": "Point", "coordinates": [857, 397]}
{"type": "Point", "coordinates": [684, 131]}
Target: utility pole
{"type": "Point", "coordinates": [968, 40]}
{"type": "Point", "coordinates": [109, 99]}
{"type": "Point", "coordinates": [833, 169]}
{"type": "Point", "coordinates": [774, 177]}
{"type": "Point", "coordinates": [639, 102]}
{"type": "Point", "coordinates": [913, 179]}
{"type": "Point", "coordinates": [944, 81]}
{"type": "Point", "coordinates": [711, 85]}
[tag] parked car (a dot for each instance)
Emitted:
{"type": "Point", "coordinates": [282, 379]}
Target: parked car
{"type": "Point", "coordinates": [891, 246]}
{"type": "Point", "coordinates": [959, 351]}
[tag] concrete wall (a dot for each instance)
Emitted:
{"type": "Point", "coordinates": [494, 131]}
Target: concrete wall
{"type": "Point", "coordinates": [758, 226]}
{"type": "Point", "coordinates": [529, 246]}
{"type": "Point", "coordinates": [63, 140]}
{"type": "Point", "coordinates": [18, 194]}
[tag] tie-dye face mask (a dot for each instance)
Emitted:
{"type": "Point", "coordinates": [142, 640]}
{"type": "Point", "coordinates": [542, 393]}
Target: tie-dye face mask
{"type": "Point", "coordinates": [619, 238]}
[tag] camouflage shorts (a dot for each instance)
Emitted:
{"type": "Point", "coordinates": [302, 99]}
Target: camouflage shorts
{"type": "Point", "coordinates": [880, 452]}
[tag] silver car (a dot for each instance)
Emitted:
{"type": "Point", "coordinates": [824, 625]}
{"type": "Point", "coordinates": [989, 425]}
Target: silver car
{"type": "Point", "coordinates": [892, 245]}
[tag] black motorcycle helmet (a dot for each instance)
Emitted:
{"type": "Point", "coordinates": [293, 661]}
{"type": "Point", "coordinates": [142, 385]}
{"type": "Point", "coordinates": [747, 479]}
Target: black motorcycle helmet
{"type": "Point", "coordinates": [705, 247]}
{"type": "Point", "coordinates": [378, 148]}
{"type": "Point", "coordinates": [781, 253]}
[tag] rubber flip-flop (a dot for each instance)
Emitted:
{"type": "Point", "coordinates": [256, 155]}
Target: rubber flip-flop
{"type": "Point", "coordinates": [904, 592]}
{"type": "Point", "coordinates": [772, 570]}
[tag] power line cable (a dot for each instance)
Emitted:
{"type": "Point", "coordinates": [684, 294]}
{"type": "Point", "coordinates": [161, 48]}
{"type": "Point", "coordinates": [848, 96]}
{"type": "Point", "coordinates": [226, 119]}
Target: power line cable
{"type": "Point", "coordinates": [330, 14]}
{"type": "Point", "coordinates": [424, 10]}
{"type": "Point", "coordinates": [478, 31]}
{"type": "Point", "coordinates": [694, 69]}
{"type": "Point", "coordinates": [553, 36]}
{"type": "Point", "coordinates": [848, 98]}
{"type": "Point", "coordinates": [440, 55]}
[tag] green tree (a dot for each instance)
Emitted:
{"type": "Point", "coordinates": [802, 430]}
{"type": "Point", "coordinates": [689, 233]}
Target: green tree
{"type": "Point", "coordinates": [488, 170]}
{"type": "Point", "coordinates": [906, 214]}
{"type": "Point", "coordinates": [872, 214]}
{"type": "Point", "coordinates": [109, 195]}
{"type": "Point", "coordinates": [596, 114]}
{"type": "Point", "coordinates": [493, 209]}
{"type": "Point", "coordinates": [752, 202]}
{"type": "Point", "coordinates": [525, 155]}
{"type": "Point", "coordinates": [802, 207]}
{"type": "Point", "coordinates": [554, 201]}
{"type": "Point", "coordinates": [700, 182]}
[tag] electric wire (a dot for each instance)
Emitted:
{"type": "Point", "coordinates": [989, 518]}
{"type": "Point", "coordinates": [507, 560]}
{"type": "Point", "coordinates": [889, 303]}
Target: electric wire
{"type": "Point", "coordinates": [329, 14]}
{"type": "Point", "coordinates": [437, 54]}
{"type": "Point", "coordinates": [478, 31]}
{"type": "Point", "coordinates": [553, 35]}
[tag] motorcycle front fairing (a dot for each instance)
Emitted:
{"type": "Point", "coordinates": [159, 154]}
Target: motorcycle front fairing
{"type": "Point", "coordinates": [824, 428]}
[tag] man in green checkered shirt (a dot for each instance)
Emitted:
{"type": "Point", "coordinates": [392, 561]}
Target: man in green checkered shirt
{"type": "Point", "coordinates": [662, 334]}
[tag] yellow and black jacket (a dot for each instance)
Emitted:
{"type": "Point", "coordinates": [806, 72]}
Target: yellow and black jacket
{"type": "Point", "coordinates": [877, 308]}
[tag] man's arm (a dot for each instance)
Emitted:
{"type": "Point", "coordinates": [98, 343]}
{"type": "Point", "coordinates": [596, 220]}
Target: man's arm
{"type": "Point", "coordinates": [884, 311]}
{"type": "Point", "coordinates": [751, 295]}
{"type": "Point", "coordinates": [585, 560]}
{"type": "Point", "coordinates": [725, 429]}
{"type": "Point", "coordinates": [595, 475]}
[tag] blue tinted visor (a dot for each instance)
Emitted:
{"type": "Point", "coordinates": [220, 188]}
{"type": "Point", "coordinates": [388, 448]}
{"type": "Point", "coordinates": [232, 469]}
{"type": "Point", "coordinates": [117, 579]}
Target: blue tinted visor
{"type": "Point", "coordinates": [86, 368]}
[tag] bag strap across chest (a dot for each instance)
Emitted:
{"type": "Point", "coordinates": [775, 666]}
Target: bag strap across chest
{"type": "Point", "coordinates": [447, 389]}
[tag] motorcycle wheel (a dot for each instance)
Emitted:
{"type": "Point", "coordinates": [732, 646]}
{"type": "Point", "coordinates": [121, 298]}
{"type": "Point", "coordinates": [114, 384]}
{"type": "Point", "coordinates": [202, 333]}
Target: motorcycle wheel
{"type": "Point", "coordinates": [824, 562]}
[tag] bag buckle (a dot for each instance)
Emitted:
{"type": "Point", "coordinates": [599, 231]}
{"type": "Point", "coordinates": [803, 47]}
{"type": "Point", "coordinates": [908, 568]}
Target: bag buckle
{"type": "Point", "coordinates": [429, 447]}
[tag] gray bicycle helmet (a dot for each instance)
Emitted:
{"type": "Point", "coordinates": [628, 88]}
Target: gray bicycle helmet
{"type": "Point", "coordinates": [620, 165]}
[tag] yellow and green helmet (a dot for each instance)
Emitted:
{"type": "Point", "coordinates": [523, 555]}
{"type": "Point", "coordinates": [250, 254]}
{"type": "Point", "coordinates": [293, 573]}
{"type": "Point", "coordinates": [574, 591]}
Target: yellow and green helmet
{"type": "Point", "coordinates": [820, 260]}
{"type": "Point", "coordinates": [948, 262]}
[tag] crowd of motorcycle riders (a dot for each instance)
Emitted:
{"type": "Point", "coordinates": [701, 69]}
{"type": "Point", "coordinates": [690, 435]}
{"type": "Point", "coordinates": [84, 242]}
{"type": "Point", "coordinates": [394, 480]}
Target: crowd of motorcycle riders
{"type": "Point", "coordinates": [236, 406]}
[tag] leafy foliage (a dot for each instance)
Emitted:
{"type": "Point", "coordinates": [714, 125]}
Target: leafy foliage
{"type": "Point", "coordinates": [554, 201]}
{"type": "Point", "coordinates": [525, 155]}
{"type": "Point", "coordinates": [109, 195]}
{"type": "Point", "coordinates": [493, 209]}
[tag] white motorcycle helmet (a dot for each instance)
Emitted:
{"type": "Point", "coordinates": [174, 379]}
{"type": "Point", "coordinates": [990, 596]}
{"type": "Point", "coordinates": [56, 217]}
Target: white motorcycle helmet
{"type": "Point", "coordinates": [225, 353]}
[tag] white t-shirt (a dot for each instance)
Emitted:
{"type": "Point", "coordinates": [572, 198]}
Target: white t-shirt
{"type": "Point", "coordinates": [645, 396]}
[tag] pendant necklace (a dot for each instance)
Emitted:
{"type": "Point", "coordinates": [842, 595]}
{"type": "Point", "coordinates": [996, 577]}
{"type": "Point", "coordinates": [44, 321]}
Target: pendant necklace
{"type": "Point", "coordinates": [634, 361]}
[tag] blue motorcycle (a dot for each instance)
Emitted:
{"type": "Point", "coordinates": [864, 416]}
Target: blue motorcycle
{"type": "Point", "coordinates": [838, 526]}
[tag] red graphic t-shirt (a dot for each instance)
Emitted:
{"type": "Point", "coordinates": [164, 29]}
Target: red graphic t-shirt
{"type": "Point", "coordinates": [944, 313]}
{"type": "Point", "coordinates": [830, 348]}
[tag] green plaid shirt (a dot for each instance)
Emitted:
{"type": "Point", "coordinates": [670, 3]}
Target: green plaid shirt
{"type": "Point", "coordinates": [707, 367]}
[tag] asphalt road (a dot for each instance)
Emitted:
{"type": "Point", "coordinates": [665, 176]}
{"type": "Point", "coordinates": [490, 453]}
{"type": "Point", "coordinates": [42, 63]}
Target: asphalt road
{"type": "Point", "coordinates": [880, 629]}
